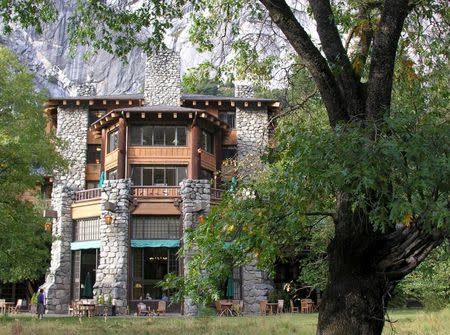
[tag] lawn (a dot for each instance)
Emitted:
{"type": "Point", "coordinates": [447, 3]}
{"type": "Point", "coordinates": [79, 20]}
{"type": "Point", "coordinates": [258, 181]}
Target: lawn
{"type": "Point", "coordinates": [408, 322]}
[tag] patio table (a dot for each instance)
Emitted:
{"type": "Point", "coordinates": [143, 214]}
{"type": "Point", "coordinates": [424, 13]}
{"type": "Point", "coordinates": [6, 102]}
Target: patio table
{"type": "Point", "coordinates": [227, 309]}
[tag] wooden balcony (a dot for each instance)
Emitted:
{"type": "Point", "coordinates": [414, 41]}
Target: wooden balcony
{"type": "Point", "coordinates": [156, 191]}
{"type": "Point", "coordinates": [208, 161]}
{"type": "Point", "coordinates": [85, 195]}
{"type": "Point", "coordinates": [111, 160]}
{"type": "Point", "coordinates": [93, 172]}
{"type": "Point", "coordinates": [157, 155]}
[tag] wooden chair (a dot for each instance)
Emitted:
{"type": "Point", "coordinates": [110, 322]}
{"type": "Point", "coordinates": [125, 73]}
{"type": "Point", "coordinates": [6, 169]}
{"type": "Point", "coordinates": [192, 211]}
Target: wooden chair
{"type": "Point", "coordinates": [280, 307]}
{"type": "Point", "coordinates": [238, 307]}
{"type": "Point", "coordinates": [2, 306]}
{"type": "Point", "coordinates": [293, 308]}
{"type": "Point", "coordinates": [16, 309]}
{"type": "Point", "coordinates": [161, 307]}
{"type": "Point", "coordinates": [263, 307]}
{"type": "Point", "coordinates": [307, 305]}
{"type": "Point", "coordinates": [141, 309]}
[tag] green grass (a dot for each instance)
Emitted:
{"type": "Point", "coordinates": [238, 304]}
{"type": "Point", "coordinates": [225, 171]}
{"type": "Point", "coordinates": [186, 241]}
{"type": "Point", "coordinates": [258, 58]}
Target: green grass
{"type": "Point", "coordinates": [408, 322]}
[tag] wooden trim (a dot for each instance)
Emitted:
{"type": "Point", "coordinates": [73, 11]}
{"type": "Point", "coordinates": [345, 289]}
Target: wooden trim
{"type": "Point", "coordinates": [196, 144]}
{"type": "Point", "coordinates": [86, 209]}
{"type": "Point", "coordinates": [230, 138]}
{"type": "Point", "coordinates": [103, 152]}
{"type": "Point", "coordinates": [111, 160]}
{"type": "Point", "coordinates": [93, 172]}
{"type": "Point", "coordinates": [208, 161]}
{"type": "Point", "coordinates": [121, 148]}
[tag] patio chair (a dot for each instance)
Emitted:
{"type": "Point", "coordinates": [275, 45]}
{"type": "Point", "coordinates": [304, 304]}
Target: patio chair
{"type": "Point", "coordinates": [280, 307]}
{"type": "Point", "coordinates": [15, 309]}
{"type": "Point", "coordinates": [294, 309]}
{"type": "Point", "coordinates": [141, 309]}
{"type": "Point", "coordinates": [220, 309]}
{"type": "Point", "coordinates": [238, 307]}
{"type": "Point", "coordinates": [161, 307]}
{"type": "Point", "coordinates": [263, 307]}
{"type": "Point", "coordinates": [306, 305]}
{"type": "Point", "coordinates": [2, 306]}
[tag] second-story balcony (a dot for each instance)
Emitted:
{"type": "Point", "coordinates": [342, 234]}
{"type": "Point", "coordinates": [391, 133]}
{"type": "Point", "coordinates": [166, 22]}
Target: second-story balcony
{"type": "Point", "coordinates": [156, 191]}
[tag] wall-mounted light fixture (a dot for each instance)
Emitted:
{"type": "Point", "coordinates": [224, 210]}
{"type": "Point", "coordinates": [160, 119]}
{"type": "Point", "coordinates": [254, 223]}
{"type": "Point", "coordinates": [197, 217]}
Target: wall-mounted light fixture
{"type": "Point", "coordinates": [108, 219]}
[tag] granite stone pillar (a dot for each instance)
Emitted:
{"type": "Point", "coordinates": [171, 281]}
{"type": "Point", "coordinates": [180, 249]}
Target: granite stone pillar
{"type": "Point", "coordinates": [112, 273]}
{"type": "Point", "coordinates": [196, 197]}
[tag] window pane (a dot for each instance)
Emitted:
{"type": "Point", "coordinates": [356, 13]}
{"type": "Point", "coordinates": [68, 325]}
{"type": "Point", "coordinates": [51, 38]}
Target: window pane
{"type": "Point", "coordinates": [136, 133]}
{"type": "Point", "coordinates": [112, 140]}
{"type": "Point", "coordinates": [170, 177]}
{"type": "Point", "coordinates": [231, 117]}
{"type": "Point", "coordinates": [147, 134]}
{"type": "Point", "coordinates": [159, 176]}
{"type": "Point", "coordinates": [207, 139]}
{"type": "Point", "coordinates": [170, 135]}
{"type": "Point", "coordinates": [181, 136]}
{"type": "Point", "coordinates": [147, 176]}
{"type": "Point", "coordinates": [93, 154]}
{"type": "Point", "coordinates": [182, 174]}
{"type": "Point", "coordinates": [158, 136]}
{"type": "Point", "coordinates": [136, 175]}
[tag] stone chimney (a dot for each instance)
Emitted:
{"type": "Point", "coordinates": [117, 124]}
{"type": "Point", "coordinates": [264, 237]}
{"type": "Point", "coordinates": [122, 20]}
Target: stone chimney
{"type": "Point", "coordinates": [163, 79]}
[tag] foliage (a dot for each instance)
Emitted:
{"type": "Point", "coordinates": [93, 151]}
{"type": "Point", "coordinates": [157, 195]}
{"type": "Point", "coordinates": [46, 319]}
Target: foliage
{"type": "Point", "coordinates": [26, 154]}
{"type": "Point", "coordinates": [199, 80]}
{"type": "Point", "coordinates": [430, 282]}
{"type": "Point", "coordinates": [34, 298]}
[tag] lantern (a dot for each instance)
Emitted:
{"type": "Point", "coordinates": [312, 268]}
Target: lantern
{"type": "Point", "coordinates": [108, 219]}
{"type": "Point", "coordinates": [48, 226]}
{"type": "Point", "coordinates": [201, 219]}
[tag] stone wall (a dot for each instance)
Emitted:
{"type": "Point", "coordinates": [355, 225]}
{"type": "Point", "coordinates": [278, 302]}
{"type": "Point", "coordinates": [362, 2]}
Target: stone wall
{"type": "Point", "coordinates": [252, 138]}
{"type": "Point", "coordinates": [162, 79]}
{"type": "Point", "coordinates": [112, 273]}
{"type": "Point", "coordinates": [72, 125]}
{"type": "Point", "coordinates": [195, 196]}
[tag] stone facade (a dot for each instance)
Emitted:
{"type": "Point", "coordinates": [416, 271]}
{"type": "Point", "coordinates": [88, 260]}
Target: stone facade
{"type": "Point", "coordinates": [112, 273]}
{"type": "Point", "coordinates": [252, 138]}
{"type": "Point", "coordinates": [72, 124]}
{"type": "Point", "coordinates": [162, 79]}
{"type": "Point", "coordinates": [195, 196]}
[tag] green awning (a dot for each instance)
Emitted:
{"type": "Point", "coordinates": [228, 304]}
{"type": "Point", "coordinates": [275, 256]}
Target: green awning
{"type": "Point", "coordinates": [80, 245]}
{"type": "Point", "coordinates": [155, 243]}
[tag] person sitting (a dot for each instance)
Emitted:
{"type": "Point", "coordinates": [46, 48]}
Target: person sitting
{"type": "Point", "coordinates": [164, 297]}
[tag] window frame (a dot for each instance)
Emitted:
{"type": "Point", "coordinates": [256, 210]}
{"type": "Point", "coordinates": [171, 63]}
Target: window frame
{"type": "Point", "coordinates": [115, 133]}
{"type": "Point", "coordinates": [140, 128]}
{"type": "Point", "coordinates": [155, 167]}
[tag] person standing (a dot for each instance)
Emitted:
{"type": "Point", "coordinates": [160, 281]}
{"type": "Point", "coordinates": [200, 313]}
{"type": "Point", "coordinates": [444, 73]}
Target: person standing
{"type": "Point", "coordinates": [41, 304]}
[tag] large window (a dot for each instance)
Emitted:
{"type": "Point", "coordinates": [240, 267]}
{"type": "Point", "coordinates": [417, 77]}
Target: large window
{"type": "Point", "coordinates": [158, 135]}
{"type": "Point", "coordinates": [113, 140]}
{"type": "Point", "coordinates": [111, 174]}
{"type": "Point", "coordinates": [228, 117]}
{"type": "Point", "coordinates": [86, 229]}
{"type": "Point", "coordinates": [207, 141]}
{"type": "Point", "coordinates": [147, 175]}
{"type": "Point", "coordinates": [93, 153]}
{"type": "Point", "coordinates": [155, 227]}
{"type": "Point", "coordinates": [84, 266]}
{"type": "Point", "coordinates": [150, 265]}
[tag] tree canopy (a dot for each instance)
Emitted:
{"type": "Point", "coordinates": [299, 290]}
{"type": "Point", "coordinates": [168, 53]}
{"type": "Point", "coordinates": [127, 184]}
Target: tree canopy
{"type": "Point", "coordinates": [27, 154]}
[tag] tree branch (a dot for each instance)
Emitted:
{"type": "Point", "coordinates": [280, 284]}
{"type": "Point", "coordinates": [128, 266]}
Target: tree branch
{"type": "Point", "coordinates": [384, 51]}
{"type": "Point", "coordinates": [337, 56]}
{"type": "Point", "coordinates": [281, 14]}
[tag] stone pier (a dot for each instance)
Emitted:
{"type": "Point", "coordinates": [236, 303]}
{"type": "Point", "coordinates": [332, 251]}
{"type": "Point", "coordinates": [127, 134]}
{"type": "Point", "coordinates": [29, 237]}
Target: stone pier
{"type": "Point", "coordinates": [112, 273]}
{"type": "Point", "coordinates": [196, 198]}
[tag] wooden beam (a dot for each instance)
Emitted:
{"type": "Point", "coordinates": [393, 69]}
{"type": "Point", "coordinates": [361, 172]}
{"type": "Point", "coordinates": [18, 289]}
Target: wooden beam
{"type": "Point", "coordinates": [130, 102]}
{"type": "Point", "coordinates": [91, 102]}
{"type": "Point", "coordinates": [114, 114]}
{"type": "Point", "coordinates": [175, 115]}
{"type": "Point", "coordinates": [196, 138]}
{"type": "Point", "coordinates": [142, 115]}
{"type": "Point", "coordinates": [122, 149]}
{"type": "Point", "coordinates": [77, 102]}
{"type": "Point", "coordinates": [103, 152]}
{"type": "Point", "coordinates": [117, 102]}
{"type": "Point", "coordinates": [203, 115]}
{"type": "Point", "coordinates": [206, 103]}
{"type": "Point", "coordinates": [194, 103]}
{"type": "Point", "coordinates": [127, 115]}
{"type": "Point", "coordinates": [104, 102]}
{"type": "Point", "coordinates": [246, 104]}
{"type": "Point", "coordinates": [232, 103]}
{"type": "Point", "coordinates": [159, 115]}
{"type": "Point", "coordinates": [259, 103]}
{"type": "Point", "coordinates": [276, 104]}
{"type": "Point", "coordinates": [64, 102]}
{"type": "Point", "coordinates": [190, 115]}
{"type": "Point", "coordinates": [219, 103]}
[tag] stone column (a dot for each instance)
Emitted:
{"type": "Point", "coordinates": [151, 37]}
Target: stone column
{"type": "Point", "coordinates": [58, 279]}
{"type": "Point", "coordinates": [112, 273]}
{"type": "Point", "coordinates": [162, 79]}
{"type": "Point", "coordinates": [195, 196]}
{"type": "Point", "coordinates": [252, 138]}
{"type": "Point", "coordinates": [72, 126]}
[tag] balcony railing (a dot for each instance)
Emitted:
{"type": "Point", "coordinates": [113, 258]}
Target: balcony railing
{"type": "Point", "coordinates": [156, 191]}
{"type": "Point", "coordinates": [216, 195]}
{"type": "Point", "coordinates": [93, 193]}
